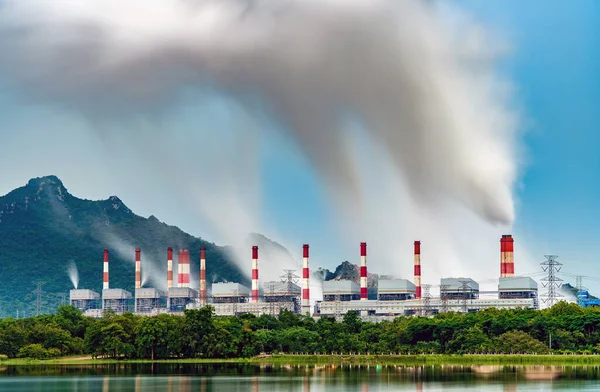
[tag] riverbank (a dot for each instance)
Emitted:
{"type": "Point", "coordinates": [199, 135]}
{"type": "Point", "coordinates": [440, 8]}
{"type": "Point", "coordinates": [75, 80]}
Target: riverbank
{"type": "Point", "coordinates": [300, 360]}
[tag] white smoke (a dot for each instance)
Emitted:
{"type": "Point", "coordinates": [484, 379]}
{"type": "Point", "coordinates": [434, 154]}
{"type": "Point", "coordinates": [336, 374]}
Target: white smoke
{"type": "Point", "coordinates": [150, 268]}
{"type": "Point", "coordinates": [73, 273]}
{"type": "Point", "coordinates": [396, 103]}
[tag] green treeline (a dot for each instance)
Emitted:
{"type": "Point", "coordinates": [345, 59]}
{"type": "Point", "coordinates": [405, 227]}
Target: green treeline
{"type": "Point", "coordinates": [200, 334]}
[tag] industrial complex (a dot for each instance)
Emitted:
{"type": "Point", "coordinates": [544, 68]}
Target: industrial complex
{"type": "Point", "coordinates": [395, 297]}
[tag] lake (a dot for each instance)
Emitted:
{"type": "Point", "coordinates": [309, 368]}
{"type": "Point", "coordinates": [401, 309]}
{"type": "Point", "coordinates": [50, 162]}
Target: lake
{"type": "Point", "coordinates": [254, 378]}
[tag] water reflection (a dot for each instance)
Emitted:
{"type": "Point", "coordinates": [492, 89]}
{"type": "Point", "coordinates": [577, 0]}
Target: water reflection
{"type": "Point", "coordinates": [312, 378]}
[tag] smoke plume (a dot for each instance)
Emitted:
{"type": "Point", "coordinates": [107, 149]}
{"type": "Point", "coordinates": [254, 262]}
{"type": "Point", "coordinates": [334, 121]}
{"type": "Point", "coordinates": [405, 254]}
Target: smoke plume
{"type": "Point", "coordinates": [73, 273]}
{"type": "Point", "coordinates": [396, 103]}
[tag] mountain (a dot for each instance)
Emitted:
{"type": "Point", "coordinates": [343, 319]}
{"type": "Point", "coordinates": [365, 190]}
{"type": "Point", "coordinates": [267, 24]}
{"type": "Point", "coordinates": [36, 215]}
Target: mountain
{"type": "Point", "coordinates": [349, 271]}
{"type": "Point", "coordinates": [569, 290]}
{"type": "Point", "coordinates": [45, 231]}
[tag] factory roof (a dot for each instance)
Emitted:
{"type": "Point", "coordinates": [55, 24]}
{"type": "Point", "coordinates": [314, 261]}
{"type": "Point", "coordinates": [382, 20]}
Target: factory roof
{"type": "Point", "coordinates": [332, 287]}
{"type": "Point", "coordinates": [517, 283]}
{"type": "Point", "coordinates": [148, 292]}
{"type": "Point", "coordinates": [115, 294]}
{"type": "Point", "coordinates": [182, 292]}
{"type": "Point", "coordinates": [278, 288]}
{"type": "Point", "coordinates": [83, 294]}
{"type": "Point", "coordinates": [395, 286]}
{"type": "Point", "coordinates": [229, 289]}
{"type": "Point", "coordinates": [455, 284]}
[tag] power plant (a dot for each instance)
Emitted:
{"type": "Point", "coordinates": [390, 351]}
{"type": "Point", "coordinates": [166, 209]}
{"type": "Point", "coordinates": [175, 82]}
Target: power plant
{"type": "Point", "coordinates": [394, 297]}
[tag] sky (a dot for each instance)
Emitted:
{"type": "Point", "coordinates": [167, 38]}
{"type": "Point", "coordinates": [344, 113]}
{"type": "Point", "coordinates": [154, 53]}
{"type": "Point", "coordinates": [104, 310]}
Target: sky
{"type": "Point", "coordinates": [553, 62]}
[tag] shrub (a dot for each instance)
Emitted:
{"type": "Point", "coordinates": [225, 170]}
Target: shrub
{"type": "Point", "coordinates": [35, 351]}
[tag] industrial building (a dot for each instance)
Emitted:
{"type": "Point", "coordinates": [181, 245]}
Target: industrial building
{"type": "Point", "coordinates": [149, 300]}
{"type": "Point", "coordinates": [459, 288]}
{"type": "Point", "coordinates": [395, 290]}
{"type": "Point", "coordinates": [117, 300]}
{"type": "Point", "coordinates": [84, 299]}
{"type": "Point", "coordinates": [394, 297]}
{"type": "Point", "coordinates": [340, 290]}
{"type": "Point", "coordinates": [178, 298]}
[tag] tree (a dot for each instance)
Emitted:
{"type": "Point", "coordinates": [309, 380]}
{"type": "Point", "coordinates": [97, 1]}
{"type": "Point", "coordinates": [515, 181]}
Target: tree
{"type": "Point", "coordinates": [12, 338]}
{"type": "Point", "coordinates": [564, 308]}
{"type": "Point", "coordinates": [114, 340]}
{"type": "Point", "coordinates": [93, 341]}
{"type": "Point", "coordinates": [519, 342]}
{"type": "Point", "coordinates": [352, 322]}
{"type": "Point", "coordinates": [199, 332]}
{"type": "Point", "coordinates": [151, 337]}
{"type": "Point", "coordinates": [35, 351]}
{"type": "Point", "coordinates": [472, 340]}
{"type": "Point", "coordinates": [71, 319]}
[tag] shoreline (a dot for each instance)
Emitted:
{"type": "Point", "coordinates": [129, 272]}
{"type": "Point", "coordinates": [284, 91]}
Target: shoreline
{"type": "Point", "coordinates": [308, 360]}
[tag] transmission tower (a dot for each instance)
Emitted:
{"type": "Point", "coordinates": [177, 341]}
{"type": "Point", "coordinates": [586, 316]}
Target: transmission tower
{"type": "Point", "coordinates": [464, 288]}
{"type": "Point", "coordinates": [444, 298]}
{"type": "Point", "coordinates": [290, 278]}
{"type": "Point", "coordinates": [579, 286]}
{"type": "Point", "coordinates": [426, 299]}
{"type": "Point", "coordinates": [552, 282]}
{"type": "Point", "coordinates": [38, 299]}
{"type": "Point", "coordinates": [271, 303]}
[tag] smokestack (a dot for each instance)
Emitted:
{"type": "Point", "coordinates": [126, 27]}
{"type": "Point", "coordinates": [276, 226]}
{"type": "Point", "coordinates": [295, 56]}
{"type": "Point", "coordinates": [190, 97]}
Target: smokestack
{"type": "Point", "coordinates": [254, 274]}
{"type": "Point", "coordinates": [202, 276]}
{"type": "Point", "coordinates": [418, 269]}
{"type": "Point", "coordinates": [507, 260]}
{"type": "Point", "coordinates": [305, 280]}
{"type": "Point", "coordinates": [105, 277]}
{"type": "Point", "coordinates": [183, 268]}
{"type": "Point", "coordinates": [169, 268]}
{"type": "Point", "coordinates": [363, 271]}
{"type": "Point", "coordinates": [138, 269]}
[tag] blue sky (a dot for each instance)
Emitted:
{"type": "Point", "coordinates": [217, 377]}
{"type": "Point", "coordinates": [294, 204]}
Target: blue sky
{"type": "Point", "coordinates": [554, 64]}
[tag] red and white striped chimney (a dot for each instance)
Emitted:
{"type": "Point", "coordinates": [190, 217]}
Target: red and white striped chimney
{"type": "Point", "coordinates": [507, 260]}
{"type": "Point", "coordinates": [305, 280]}
{"type": "Point", "coordinates": [417, 269]}
{"type": "Point", "coordinates": [138, 269]}
{"type": "Point", "coordinates": [203, 276]}
{"type": "Point", "coordinates": [254, 297]}
{"type": "Point", "coordinates": [363, 271]}
{"type": "Point", "coordinates": [183, 267]}
{"type": "Point", "coordinates": [169, 268]}
{"type": "Point", "coordinates": [105, 275]}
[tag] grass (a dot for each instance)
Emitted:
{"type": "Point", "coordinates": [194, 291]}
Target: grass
{"type": "Point", "coordinates": [409, 360]}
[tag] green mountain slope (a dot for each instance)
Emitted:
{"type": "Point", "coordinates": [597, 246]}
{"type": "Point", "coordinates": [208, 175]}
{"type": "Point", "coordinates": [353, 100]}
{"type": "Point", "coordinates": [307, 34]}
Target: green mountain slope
{"type": "Point", "coordinates": [44, 230]}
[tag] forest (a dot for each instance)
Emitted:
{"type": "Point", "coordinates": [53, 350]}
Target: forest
{"type": "Point", "coordinates": [563, 328]}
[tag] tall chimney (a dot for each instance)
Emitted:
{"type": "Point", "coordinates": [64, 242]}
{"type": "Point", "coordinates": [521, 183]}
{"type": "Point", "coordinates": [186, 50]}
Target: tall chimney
{"type": "Point", "coordinates": [183, 267]}
{"type": "Point", "coordinates": [305, 280]}
{"type": "Point", "coordinates": [169, 268]}
{"type": "Point", "coordinates": [105, 275]}
{"type": "Point", "coordinates": [417, 269]}
{"type": "Point", "coordinates": [179, 267]}
{"type": "Point", "coordinates": [507, 260]}
{"type": "Point", "coordinates": [202, 276]}
{"type": "Point", "coordinates": [363, 272]}
{"type": "Point", "coordinates": [138, 269]}
{"type": "Point", "coordinates": [254, 297]}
